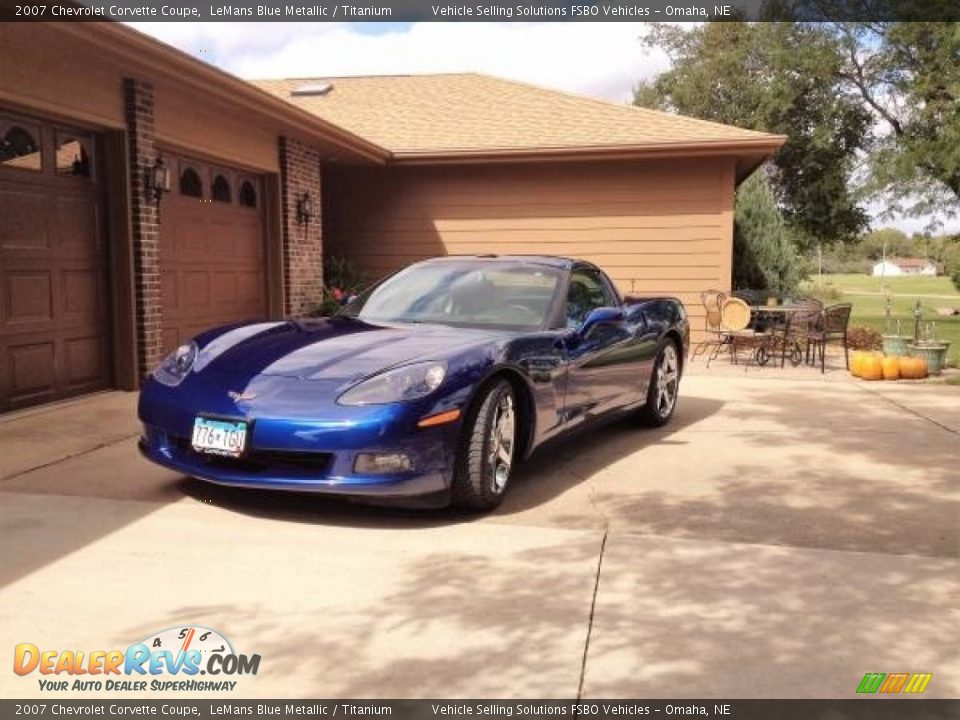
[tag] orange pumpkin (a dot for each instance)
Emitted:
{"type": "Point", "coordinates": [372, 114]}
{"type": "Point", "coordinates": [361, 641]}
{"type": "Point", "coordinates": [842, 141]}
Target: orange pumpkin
{"type": "Point", "coordinates": [913, 368]}
{"type": "Point", "coordinates": [855, 363]}
{"type": "Point", "coordinates": [907, 368]}
{"type": "Point", "coordinates": [871, 367]}
{"type": "Point", "coordinates": [891, 368]}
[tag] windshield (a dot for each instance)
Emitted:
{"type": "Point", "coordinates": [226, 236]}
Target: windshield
{"type": "Point", "coordinates": [471, 293]}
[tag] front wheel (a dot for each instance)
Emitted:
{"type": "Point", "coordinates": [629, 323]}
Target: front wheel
{"type": "Point", "coordinates": [486, 455]}
{"type": "Point", "coordinates": [664, 388]}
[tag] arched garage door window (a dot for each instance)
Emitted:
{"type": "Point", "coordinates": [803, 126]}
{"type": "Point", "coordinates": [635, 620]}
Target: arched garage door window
{"type": "Point", "coordinates": [221, 189]}
{"type": "Point", "coordinates": [190, 183]}
{"type": "Point", "coordinates": [248, 194]}
{"type": "Point", "coordinates": [19, 148]}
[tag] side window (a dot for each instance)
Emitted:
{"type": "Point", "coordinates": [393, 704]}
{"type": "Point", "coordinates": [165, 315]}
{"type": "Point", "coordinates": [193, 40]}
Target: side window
{"type": "Point", "coordinates": [587, 292]}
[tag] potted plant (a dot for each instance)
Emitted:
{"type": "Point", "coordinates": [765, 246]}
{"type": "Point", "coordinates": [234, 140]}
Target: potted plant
{"type": "Point", "coordinates": [930, 349]}
{"type": "Point", "coordinates": [342, 284]}
{"type": "Point", "coordinates": [894, 345]}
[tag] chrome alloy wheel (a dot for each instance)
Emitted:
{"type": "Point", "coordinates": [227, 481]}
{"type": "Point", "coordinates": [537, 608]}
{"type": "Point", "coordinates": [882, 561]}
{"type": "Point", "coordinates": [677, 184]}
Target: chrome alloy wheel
{"type": "Point", "coordinates": [502, 433]}
{"type": "Point", "coordinates": [668, 381]}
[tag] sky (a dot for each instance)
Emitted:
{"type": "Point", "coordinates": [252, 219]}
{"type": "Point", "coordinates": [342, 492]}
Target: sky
{"type": "Point", "coordinates": [602, 60]}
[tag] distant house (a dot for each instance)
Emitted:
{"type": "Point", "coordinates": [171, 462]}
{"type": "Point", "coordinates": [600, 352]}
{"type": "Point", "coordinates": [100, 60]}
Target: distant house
{"type": "Point", "coordinates": [893, 267]}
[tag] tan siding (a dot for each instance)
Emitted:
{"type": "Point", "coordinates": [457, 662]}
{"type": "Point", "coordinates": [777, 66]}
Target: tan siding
{"type": "Point", "coordinates": [48, 71]}
{"type": "Point", "coordinates": [655, 227]}
{"type": "Point", "coordinates": [198, 125]}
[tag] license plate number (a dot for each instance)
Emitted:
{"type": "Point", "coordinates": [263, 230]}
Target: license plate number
{"type": "Point", "coordinates": [219, 437]}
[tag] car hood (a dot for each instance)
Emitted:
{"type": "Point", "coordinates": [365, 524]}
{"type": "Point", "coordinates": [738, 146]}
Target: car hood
{"type": "Point", "coordinates": [330, 349]}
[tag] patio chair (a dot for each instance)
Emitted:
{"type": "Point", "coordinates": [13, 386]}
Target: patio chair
{"type": "Point", "coordinates": [714, 336]}
{"type": "Point", "coordinates": [803, 322]}
{"type": "Point", "coordinates": [735, 316]}
{"type": "Point", "coordinates": [831, 327]}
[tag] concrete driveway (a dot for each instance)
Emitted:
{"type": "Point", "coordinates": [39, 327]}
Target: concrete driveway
{"type": "Point", "coordinates": [784, 536]}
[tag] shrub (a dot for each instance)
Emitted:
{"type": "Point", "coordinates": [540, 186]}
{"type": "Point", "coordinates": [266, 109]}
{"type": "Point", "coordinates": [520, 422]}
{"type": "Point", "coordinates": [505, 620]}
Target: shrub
{"type": "Point", "coordinates": [342, 283]}
{"type": "Point", "coordinates": [956, 278]}
{"type": "Point", "coordinates": [825, 294]}
{"type": "Point", "coordinates": [860, 337]}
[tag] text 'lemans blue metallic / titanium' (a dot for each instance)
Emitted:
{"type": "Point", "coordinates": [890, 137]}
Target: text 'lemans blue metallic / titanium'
{"type": "Point", "coordinates": [431, 385]}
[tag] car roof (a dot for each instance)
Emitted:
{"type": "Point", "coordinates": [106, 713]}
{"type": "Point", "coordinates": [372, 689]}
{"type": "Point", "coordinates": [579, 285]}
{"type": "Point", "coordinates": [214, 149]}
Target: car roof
{"type": "Point", "coordinates": [563, 263]}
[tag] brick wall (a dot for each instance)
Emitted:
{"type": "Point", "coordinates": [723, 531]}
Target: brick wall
{"type": "Point", "coordinates": [138, 101]}
{"type": "Point", "coordinates": [302, 242]}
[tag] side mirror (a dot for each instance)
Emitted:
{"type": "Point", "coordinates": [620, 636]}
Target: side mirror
{"type": "Point", "coordinates": [598, 317]}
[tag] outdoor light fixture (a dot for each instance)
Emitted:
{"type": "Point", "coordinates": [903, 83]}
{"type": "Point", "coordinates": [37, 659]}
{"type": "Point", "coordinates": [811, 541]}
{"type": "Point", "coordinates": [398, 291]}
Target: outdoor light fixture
{"type": "Point", "coordinates": [159, 179]}
{"type": "Point", "coordinates": [304, 209]}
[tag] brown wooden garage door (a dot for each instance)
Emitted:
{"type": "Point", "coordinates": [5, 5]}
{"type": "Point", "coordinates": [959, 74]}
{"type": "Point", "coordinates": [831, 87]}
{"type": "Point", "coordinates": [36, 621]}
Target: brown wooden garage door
{"type": "Point", "coordinates": [211, 249]}
{"type": "Point", "coordinates": [53, 290]}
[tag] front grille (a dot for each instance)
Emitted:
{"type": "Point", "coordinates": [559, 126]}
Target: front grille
{"type": "Point", "coordinates": [259, 460]}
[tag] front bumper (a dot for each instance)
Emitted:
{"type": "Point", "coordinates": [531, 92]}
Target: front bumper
{"type": "Point", "coordinates": [218, 470]}
{"type": "Point", "coordinates": [312, 447]}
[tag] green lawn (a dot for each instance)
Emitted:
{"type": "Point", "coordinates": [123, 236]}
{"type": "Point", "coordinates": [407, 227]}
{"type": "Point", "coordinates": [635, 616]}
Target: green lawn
{"type": "Point", "coordinates": [869, 298]}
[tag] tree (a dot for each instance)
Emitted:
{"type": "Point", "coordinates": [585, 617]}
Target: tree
{"type": "Point", "coordinates": [895, 242]}
{"type": "Point", "coordinates": [765, 254]}
{"type": "Point", "coordinates": [779, 77]}
{"type": "Point", "coordinates": [908, 75]}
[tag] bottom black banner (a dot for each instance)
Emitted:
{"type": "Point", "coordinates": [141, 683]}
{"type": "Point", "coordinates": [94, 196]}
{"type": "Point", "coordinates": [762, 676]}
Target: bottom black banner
{"type": "Point", "coordinates": [867, 709]}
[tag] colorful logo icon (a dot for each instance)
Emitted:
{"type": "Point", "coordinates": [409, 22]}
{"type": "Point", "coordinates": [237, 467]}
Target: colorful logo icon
{"type": "Point", "coordinates": [898, 682]}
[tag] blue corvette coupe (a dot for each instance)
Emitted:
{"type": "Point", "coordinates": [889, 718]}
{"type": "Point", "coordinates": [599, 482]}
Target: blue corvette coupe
{"type": "Point", "coordinates": [428, 388]}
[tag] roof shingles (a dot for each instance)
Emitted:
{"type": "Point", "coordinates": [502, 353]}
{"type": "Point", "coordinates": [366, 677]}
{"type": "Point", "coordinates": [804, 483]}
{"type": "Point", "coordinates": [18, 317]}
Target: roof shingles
{"type": "Point", "coordinates": [472, 113]}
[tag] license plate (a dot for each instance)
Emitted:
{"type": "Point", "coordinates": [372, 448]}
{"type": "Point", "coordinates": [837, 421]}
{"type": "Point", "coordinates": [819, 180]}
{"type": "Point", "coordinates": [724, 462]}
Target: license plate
{"type": "Point", "coordinates": [219, 437]}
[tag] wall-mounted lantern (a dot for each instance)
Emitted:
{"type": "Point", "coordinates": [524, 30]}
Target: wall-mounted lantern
{"type": "Point", "coordinates": [304, 209]}
{"type": "Point", "coordinates": [159, 179]}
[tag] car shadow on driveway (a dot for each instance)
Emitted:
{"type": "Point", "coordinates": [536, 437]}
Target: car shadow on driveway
{"type": "Point", "coordinates": [548, 474]}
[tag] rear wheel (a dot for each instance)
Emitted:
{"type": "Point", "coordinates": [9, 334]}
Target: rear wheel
{"type": "Point", "coordinates": [664, 387]}
{"type": "Point", "coordinates": [487, 452]}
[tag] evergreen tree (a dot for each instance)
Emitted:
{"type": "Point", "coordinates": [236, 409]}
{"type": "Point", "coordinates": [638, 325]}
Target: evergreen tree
{"type": "Point", "coordinates": [765, 254]}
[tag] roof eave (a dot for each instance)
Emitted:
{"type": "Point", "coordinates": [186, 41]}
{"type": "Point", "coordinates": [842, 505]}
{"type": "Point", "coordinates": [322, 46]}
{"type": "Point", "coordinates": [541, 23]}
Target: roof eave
{"type": "Point", "coordinates": [764, 146]}
{"type": "Point", "coordinates": [184, 69]}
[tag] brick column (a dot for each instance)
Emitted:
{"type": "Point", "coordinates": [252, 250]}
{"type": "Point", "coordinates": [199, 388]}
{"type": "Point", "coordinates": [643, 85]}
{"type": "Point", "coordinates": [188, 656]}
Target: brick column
{"type": "Point", "coordinates": [302, 243]}
{"type": "Point", "coordinates": [145, 216]}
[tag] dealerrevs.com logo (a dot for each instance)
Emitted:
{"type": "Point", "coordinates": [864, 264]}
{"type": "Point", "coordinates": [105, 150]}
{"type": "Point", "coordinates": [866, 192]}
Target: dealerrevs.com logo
{"type": "Point", "coordinates": [170, 660]}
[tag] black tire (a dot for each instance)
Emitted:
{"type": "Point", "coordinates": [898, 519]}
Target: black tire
{"type": "Point", "coordinates": [666, 368]}
{"type": "Point", "coordinates": [486, 454]}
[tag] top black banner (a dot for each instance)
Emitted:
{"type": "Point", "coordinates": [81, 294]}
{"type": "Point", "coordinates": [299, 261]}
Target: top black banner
{"type": "Point", "coordinates": [478, 10]}
{"type": "Point", "coordinates": [587, 709]}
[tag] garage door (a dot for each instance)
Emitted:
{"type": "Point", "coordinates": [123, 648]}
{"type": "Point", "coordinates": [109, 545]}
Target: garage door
{"type": "Point", "coordinates": [53, 290]}
{"type": "Point", "coordinates": [211, 249]}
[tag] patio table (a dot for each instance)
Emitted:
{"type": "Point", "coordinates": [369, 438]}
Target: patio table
{"type": "Point", "coordinates": [780, 321]}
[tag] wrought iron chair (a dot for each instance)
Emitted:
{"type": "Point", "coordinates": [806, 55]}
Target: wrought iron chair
{"type": "Point", "coordinates": [832, 326]}
{"type": "Point", "coordinates": [802, 324]}
{"type": "Point", "coordinates": [714, 336]}
{"type": "Point", "coordinates": [735, 316]}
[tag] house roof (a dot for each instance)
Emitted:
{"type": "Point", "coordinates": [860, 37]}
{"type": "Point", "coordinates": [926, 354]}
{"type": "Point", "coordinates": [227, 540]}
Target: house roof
{"type": "Point", "coordinates": [909, 262]}
{"type": "Point", "coordinates": [429, 117]}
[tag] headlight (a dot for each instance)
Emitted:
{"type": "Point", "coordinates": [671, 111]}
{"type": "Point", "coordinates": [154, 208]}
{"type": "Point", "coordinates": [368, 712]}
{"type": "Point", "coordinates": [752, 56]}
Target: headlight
{"type": "Point", "coordinates": [409, 382]}
{"type": "Point", "coordinates": [176, 365]}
